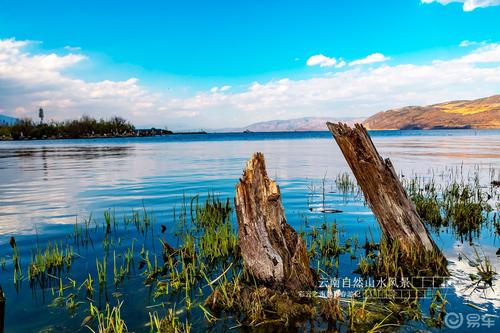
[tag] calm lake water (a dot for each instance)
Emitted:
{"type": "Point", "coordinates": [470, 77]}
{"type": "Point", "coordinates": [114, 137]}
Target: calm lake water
{"type": "Point", "coordinates": [45, 186]}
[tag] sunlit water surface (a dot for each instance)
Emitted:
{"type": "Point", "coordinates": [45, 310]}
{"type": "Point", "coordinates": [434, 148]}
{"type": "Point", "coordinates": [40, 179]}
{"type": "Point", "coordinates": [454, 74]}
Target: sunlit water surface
{"type": "Point", "coordinates": [45, 186]}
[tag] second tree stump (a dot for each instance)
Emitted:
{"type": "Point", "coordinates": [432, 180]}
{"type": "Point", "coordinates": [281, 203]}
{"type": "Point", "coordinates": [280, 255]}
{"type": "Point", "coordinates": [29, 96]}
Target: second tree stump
{"type": "Point", "coordinates": [272, 250]}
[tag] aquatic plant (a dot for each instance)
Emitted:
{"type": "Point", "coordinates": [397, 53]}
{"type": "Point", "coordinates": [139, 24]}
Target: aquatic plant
{"type": "Point", "coordinates": [326, 241]}
{"type": "Point", "coordinates": [345, 184]}
{"type": "Point", "coordinates": [101, 268]}
{"type": "Point", "coordinates": [211, 224]}
{"type": "Point", "coordinates": [81, 233]}
{"type": "Point", "coordinates": [485, 271]}
{"type": "Point", "coordinates": [67, 302]}
{"type": "Point", "coordinates": [259, 306]}
{"type": "Point", "coordinates": [199, 257]}
{"type": "Point", "coordinates": [168, 324]}
{"type": "Point", "coordinates": [392, 261]}
{"type": "Point", "coordinates": [49, 262]}
{"type": "Point", "coordinates": [437, 309]}
{"type": "Point", "coordinates": [425, 197]}
{"type": "Point", "coordinates": [122, 271]}
{"type": "Point", "coordinates": [465, 206]}
{"type": "Point", "coordinates": [459, 202]}
{"type": "Point", "coordinates": [89, 285]}
{"type": "Point", "coordinates": [16, 261]}
{"type": "Point", "coordinates": [109, 320]}
{"type": "Point", "coordinates": [152, 269]}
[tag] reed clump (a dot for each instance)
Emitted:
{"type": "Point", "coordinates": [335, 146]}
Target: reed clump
{"type": "Point", "coordinates": [170, 323]}
{"type": "Point", "coordinates": [258, 305]}
{"type": "Point", "coordinates": [345, 184]}
{"type": "Point", "coordinates": [326, 241]}
{"type": "Point", "coordinates": [208, 238]}
{"type": "Point", "coordinates": [391, 261]}
{"type": "Point", "coordinates": [16, 261]}
{"type": "Point", "coordinates": [213, 220]}
{"type": "Point", "coordinates": [458, 202]}
{"type": "Point", "coordinates": [50, 262]}
{"type": "Point", "coordinates": [109, 320]}
{"type": "Point", "coordinates": [485, 271]}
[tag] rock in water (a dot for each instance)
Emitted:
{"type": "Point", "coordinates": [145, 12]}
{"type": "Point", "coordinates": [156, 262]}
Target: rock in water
{"type": "Point", "coordinates": [272, 250]}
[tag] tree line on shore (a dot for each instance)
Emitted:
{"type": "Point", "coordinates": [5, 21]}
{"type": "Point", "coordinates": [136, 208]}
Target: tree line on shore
{"type": "Point", "coordinates": [85, 127]}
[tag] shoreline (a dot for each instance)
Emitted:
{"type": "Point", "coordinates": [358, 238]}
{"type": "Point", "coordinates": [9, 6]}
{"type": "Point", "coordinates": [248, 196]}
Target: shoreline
{"type": "Point", "coordinates": [271, 133]}
{"type": "Point", "coordinates": [92, 137]}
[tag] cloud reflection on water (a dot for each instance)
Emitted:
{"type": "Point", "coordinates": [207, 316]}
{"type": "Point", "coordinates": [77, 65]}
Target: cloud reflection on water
{"type": "Point", "coordinates": [53, 183]}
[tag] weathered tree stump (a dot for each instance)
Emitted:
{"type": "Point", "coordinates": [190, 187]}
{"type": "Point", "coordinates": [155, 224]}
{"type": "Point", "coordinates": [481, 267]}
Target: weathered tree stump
{"type": "Point", "coordinates": [382, 189]}
{"type": "Point", "coordinates": [272, 251]}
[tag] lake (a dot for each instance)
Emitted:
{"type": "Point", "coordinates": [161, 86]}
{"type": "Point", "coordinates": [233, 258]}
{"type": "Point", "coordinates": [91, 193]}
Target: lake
{"type": "Point", "coordinates": [48, 186]}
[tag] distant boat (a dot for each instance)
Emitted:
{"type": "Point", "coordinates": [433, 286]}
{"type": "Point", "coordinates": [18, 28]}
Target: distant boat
{"type": "Point", "coordinates": [247, 131]}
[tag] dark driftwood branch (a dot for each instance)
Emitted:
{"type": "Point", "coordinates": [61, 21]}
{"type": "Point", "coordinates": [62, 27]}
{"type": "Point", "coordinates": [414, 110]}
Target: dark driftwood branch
{"type": "Point", "coordinates": [272, 251]}
{"type": "Point", "coordinates": [382, 189]}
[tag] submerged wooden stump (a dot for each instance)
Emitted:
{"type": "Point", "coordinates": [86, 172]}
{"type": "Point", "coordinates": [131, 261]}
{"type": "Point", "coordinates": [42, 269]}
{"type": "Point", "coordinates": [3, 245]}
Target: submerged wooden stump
{"type": "Point", "coordinates": [382, 189]}
{"type": "Point", "coordinates": [272, 251]}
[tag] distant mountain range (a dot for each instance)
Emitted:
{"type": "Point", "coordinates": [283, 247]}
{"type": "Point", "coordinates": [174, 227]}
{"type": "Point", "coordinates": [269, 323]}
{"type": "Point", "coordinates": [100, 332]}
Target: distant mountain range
{"type": "Point", "coordinates": [294, 125]}
{"type": "Point", "coordinates": [479, 113]}
{"type": "Point", "coordinates": [6, 120]}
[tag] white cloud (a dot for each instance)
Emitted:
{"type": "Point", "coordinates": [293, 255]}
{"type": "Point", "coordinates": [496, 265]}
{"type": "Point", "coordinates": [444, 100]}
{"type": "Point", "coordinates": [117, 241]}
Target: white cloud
{"type": "Point", "coordinates": [321, 61]}
{"type": "Point", "coordinates": [214, 90]}
{"type": "Point", "coordinates": [72, 48]}
{"type": "Point", "coordinates": [340, 64]}
{"type": "Point", "coordinates": [467, 43]}
{"type": "Point", "coordinates": [371, 59]}
{"type": "Point", "coordinates": [487, 53]}
{"type": "Point", "coordinates": [357, 91]}
{"type": "Point", "coordinates": [468, 5]}
{"type": "Point", "coordinates": [28, 80]}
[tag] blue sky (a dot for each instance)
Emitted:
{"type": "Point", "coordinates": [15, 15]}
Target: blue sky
{"type": "Point", "coordinates": [175, 56]}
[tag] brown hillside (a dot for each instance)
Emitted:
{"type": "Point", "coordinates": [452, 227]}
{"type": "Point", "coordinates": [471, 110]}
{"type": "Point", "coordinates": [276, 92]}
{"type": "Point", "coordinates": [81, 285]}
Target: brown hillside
{"type": "Point", "coordinates": [479, 113]}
